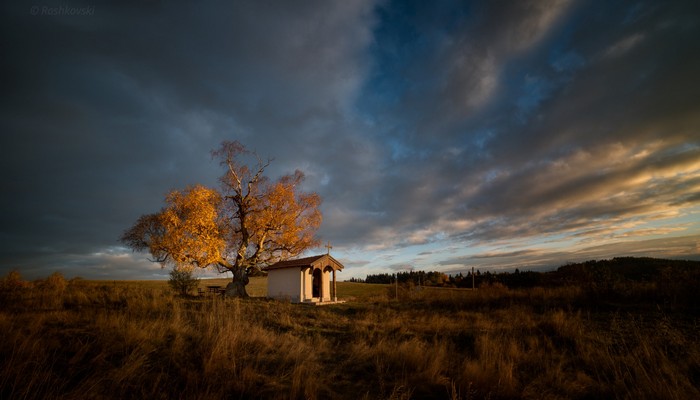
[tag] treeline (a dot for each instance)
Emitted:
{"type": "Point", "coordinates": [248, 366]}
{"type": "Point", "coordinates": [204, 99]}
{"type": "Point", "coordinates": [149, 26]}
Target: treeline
{"type": "Point", "coordinates": [432, 278]}
{"type": "Point", "coordinates": [439, 279]}
{"type": "Point", "coordinates": [599, 275]}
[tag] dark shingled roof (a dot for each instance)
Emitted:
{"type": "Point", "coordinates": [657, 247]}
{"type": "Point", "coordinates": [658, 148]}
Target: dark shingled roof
{"type": "Point", "coordinates": [314, 261]}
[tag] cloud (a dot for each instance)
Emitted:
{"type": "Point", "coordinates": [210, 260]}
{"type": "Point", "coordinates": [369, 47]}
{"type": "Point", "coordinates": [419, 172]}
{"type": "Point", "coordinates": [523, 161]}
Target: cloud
{"type": "Point", "coordinates": [443, 124]}
{"type": "Point", "coordinates": [624, 45]}
{"type": "Point", "coordinates": [572, 165]}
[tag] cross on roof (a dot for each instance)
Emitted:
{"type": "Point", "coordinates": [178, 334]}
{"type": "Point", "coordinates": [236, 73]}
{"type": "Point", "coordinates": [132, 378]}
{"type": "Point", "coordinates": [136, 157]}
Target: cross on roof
{"type": "Point", "coordinates": [329, 247]}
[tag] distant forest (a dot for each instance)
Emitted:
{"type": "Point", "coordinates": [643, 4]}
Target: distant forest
{"type": "Point", "coordinates": [601, 274]}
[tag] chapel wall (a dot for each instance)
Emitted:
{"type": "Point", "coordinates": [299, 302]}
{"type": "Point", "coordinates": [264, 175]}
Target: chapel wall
{"type": "Point", "coordinates": [284, 284]}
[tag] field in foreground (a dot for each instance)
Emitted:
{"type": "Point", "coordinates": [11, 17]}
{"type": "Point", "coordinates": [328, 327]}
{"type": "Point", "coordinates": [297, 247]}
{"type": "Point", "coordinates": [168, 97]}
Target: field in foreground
{"type": "Point", "coordinates": [84, 339]}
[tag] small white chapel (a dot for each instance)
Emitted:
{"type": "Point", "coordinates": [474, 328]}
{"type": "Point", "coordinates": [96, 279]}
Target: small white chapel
{"type": "Point", "coordinates": [304, 280]}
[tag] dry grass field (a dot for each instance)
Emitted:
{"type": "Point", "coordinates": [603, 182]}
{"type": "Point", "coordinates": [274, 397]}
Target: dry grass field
{"type": "Point", "coordinates": [87, 339]}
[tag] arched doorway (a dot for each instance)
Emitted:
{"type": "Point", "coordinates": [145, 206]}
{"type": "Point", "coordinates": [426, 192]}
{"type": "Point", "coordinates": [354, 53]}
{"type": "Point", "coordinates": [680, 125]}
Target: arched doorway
{"type": "Point", "coordinates": [317, 282]}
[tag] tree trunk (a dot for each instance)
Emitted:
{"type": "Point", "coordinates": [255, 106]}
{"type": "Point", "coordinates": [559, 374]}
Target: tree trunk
{"type": "Point", "coordinates": [237, 286]}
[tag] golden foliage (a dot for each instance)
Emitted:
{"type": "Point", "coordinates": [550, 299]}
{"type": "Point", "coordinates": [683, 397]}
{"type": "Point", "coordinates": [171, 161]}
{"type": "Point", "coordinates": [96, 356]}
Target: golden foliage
{"type": "Point", "coordinates": [283, 224]}
{"type": "Point", "coordinates": [191, 220]}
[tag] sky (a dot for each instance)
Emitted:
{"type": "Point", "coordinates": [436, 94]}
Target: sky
{"type": "Point", "coordinates": [441, 135]}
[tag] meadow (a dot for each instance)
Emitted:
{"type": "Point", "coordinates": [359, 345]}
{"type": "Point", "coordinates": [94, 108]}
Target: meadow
{"type": "Point", "coordinates": [87, 339]}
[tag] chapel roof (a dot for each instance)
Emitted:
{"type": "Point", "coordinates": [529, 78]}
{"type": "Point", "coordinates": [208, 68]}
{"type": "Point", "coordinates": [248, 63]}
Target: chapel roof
{"type": "Point", "coordinates": [319, 261]}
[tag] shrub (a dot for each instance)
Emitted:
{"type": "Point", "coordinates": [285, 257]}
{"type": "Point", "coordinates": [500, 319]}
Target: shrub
{"type": "Point", "coordinates": [12, 288]}
{"type": "Point", "coordinates": [182, 280]}
{"type": "Point", "coordinates": [13, 282]}
{"type": "Point", "coordinates": [54, 283]}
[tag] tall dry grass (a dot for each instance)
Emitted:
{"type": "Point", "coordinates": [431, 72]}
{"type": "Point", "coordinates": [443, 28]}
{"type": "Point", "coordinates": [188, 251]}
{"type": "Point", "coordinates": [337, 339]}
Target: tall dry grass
{"type": "Point", "coordinates": [83, 339]}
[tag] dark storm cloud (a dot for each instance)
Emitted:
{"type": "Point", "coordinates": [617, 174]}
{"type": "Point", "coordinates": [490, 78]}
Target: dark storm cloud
{"type": "Point", "coordinates": [463, 123]}
{"type": "Point", "coordinates": [102, 114]}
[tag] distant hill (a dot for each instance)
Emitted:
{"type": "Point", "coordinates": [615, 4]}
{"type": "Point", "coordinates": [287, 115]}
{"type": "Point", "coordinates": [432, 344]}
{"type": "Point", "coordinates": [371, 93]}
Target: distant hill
{"type": "Point", "coordinates": [630, 269]}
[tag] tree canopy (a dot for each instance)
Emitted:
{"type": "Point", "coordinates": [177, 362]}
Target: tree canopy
{"type": "Point", "coordinates": [249, 222]}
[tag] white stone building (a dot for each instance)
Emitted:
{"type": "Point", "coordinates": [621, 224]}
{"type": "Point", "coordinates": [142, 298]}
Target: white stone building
{"type": "Point", "coordinates": [305, 280]}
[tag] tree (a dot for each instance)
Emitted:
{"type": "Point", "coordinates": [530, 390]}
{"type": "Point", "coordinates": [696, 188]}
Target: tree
{"type": "Point", "coordinates": [250, 222]}
{"type": "Point", "coordinates": [182, 281]}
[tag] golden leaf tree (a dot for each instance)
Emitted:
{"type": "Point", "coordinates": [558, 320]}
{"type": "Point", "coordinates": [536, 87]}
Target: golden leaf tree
{"type": "Point", "coordinates": [249, 223]}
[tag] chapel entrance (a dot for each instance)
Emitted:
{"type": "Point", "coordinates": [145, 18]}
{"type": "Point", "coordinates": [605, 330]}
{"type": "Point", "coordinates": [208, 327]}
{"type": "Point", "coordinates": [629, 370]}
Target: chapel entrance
{"type": "Point", "coordinates": [317, 282]}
